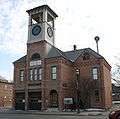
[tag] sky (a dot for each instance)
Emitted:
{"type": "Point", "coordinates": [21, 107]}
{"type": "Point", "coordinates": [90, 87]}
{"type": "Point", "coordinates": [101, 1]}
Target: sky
{"type": "Point", "coordinates": [78, 22]}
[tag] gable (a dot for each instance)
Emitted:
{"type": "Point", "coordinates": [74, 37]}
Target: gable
{"type": "Point", "coordinates": [22, 59]}
{"type": "Point", "coordinates": [75, 54]}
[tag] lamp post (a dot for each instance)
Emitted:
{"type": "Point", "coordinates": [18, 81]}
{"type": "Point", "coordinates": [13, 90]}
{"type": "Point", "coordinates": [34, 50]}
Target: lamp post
{"type": "Point", "coordinates": [77, 87]}
{"type": "Point", "coordinates": [97, 38]}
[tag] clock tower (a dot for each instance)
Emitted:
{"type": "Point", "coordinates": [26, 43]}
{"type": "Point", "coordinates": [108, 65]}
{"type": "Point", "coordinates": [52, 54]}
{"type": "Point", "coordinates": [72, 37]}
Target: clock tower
{"type": "Point", "coordinates": [41, 24]}
{"type": "Point", "coordinates": [39, 44]}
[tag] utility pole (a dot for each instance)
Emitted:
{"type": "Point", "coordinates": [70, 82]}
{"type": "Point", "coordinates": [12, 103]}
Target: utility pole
{"type": "Point", "coordinates": [77, 89]}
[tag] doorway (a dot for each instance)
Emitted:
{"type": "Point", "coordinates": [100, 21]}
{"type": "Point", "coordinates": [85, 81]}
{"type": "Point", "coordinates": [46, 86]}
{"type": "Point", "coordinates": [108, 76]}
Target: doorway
{"type": "Point", "coordinates": [53, 99]}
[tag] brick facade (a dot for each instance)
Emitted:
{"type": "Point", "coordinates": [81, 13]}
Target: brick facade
{"type": "Point", "coordinates": [6, 94]}
{"type": "Point", "coordinates": [65, 84]}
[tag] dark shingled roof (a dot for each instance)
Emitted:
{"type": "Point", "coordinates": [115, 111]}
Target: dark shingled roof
{"type": "Point", "coordinates": [74, 54]}
{"type": "Point", "coordinates": [69, 55]}
{"type": "Point", "coordinates": [22, 59]}
{"type": "Point", "coordinates": [55, 52]}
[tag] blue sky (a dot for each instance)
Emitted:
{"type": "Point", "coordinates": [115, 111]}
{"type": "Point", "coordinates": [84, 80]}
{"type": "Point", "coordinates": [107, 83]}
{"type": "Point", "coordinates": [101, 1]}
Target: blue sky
{"type": "Point", "coordinates": [78, 22]}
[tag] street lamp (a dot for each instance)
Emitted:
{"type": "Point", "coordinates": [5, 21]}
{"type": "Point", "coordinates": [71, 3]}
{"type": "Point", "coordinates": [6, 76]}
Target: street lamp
{"type": "Point", "coordinates": [97, 38]}
{"type": "Point", "coordinates": [77, 87]}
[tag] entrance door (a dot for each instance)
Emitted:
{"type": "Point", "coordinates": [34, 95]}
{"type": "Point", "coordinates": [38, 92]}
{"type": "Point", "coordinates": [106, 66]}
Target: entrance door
{"type": "Point", "coordinates": [34, 101]}
{"type": "Point", "coordinates": [53, 98]}
{"type": "Point", "coordinates": [20, 101]}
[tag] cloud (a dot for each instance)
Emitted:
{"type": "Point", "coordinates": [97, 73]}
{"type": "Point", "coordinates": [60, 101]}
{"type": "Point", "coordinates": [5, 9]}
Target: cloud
{"type": "Point", "coordinates": [12, 38]}
{"type": "Point", "coordinates": [14, 25]}
{"type": "Point", "coordinates": [78, 23]}
{"type": "Point", "coordinates": [13, 31]}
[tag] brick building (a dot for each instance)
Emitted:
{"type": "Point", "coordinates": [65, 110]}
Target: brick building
{"type": "Point", "coordinates": [47, 77]}
{"type": "Point", "coordinates": [6, 93]}
{"type": "Point", "coordinates": [115, 92]}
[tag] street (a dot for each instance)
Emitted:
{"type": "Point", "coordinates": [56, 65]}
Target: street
{"type": "Point", "coordinates": [31, 116]}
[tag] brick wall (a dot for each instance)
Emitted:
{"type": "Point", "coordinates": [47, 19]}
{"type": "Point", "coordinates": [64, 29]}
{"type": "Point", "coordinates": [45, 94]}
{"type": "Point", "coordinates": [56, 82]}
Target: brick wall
{"type": "Point", "coordinates": [17, 67]}
{"type": "Point", "coordinates": [107, 85]}
{"type": "Point", "coordinates": [64, 83]}
{"type": "Point", "coordinates": [66, 76]}
{"type": "Point", "coordinates": [103, 84]}
{"type": "Point", "coordinates": [6, 95]}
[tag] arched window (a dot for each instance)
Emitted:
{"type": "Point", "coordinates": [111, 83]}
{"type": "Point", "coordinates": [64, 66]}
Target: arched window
{"type": "Point", "coordinates": [35, 56]}
{"type": "Point", "coordinates": [35, 60]}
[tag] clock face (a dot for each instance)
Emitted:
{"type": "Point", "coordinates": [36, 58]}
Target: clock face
{"type": "Point", "coordinates": [36, 30]}
{"type": "Point", "coordinates": [49, 31]}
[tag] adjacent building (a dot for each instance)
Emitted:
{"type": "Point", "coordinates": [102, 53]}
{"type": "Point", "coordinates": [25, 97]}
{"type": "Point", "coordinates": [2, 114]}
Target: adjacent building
{"type": "Point", "coordinates": [6, 93]}
{"type": "Point", "coordinates": [47, 77]}
{"type": "Point", "coordinates": [115, 92]}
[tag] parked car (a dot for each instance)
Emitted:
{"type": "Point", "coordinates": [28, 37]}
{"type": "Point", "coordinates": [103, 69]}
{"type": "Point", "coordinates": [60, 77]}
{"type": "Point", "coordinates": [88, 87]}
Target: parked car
{"type": "Point", "coordinates": [114, 114]}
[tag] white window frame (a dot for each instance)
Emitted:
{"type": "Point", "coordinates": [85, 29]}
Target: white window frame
{"type": "Point", "coordinates": [95, 73]}
{"type": "Point", "coordinates": [21, 75]}
{"type": "Point", "coordinates": [31, 74]}
{"type": "Point", "coordinates": [53, 73]}
{"type": "Point", "coordinates": [40, 74]}
{"type": "Point", "coordinates": [35, 74]}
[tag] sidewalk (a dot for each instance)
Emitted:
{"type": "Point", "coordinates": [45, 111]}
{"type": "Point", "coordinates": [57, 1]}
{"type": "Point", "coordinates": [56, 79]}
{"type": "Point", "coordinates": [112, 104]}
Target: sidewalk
{"type": "Point", "coordinates": [82, 113]}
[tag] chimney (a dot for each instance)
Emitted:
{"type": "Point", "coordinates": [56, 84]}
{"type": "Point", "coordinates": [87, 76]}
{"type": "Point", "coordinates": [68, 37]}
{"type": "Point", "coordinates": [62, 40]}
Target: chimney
{"type": "Point", "coordinates": [75, 47]}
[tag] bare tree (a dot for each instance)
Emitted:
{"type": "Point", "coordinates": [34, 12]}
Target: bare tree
{"type": "Point", "coordinates": [116, 74]}
{"type": "Point", "coordinates": [84, 92]}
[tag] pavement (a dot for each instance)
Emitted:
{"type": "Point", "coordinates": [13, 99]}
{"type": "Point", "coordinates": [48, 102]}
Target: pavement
{"type": "Point", "coordinates": [68, 113]}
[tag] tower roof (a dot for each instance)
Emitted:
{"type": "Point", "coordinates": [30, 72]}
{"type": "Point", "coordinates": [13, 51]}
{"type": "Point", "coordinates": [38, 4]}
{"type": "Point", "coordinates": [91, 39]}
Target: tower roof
{"type": "Point", "coordinates": [41, 8]}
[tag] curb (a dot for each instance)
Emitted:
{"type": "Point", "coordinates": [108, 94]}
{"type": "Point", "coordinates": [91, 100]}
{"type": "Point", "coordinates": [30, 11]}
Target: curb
{"type": "Point", "coordinates": [51, 113]}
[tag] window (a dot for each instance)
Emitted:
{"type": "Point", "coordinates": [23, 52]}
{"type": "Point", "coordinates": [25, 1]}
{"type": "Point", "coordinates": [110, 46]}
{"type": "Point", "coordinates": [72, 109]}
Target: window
{"type": "Point", "coordinates": [39, 74]}
{"type": "Point", "coordinates": [35, 63]}
{"type": "Point", "coordinates": [54, 72]}
{"type": "Point", "coordinates": [35, 74]}
{"type": "Point", "coordinates": [35, 56]}
{"type": "Point", "coordinates": [96, 95]}
{"type": "Point", "coordinates": [21, 75]}
{"type": "Point", "coordinates": [35, 60]}
{"type": "Point", "coordinates": [95, 73]}
{"type": "Point", "coordinates": [31, 74]}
